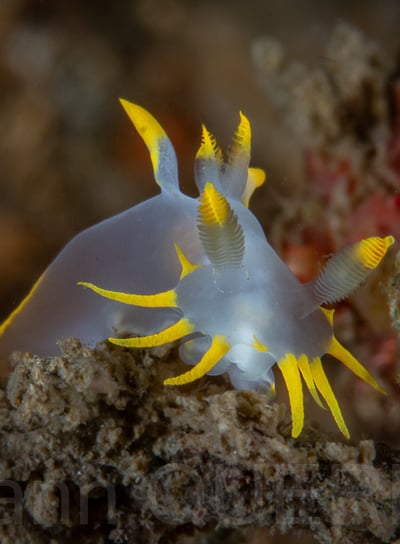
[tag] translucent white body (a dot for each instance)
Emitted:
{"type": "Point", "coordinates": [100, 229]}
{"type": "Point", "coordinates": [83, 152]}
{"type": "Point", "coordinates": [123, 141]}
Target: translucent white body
{"type": "Point", "coordinates": [199, 269]}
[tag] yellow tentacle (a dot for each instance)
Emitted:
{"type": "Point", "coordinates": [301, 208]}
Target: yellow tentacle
{"type": "Point", "coordinates": [255, 178]}
{"type": "Point", "coordinates": [291, 375]}
{"type": "Point", "coordinates": [219, 347]}
{"type": "Point", "coordinates": [147, 127]}
{"type": "Point", "coordinates": [325, 389]}
{"type": "Point", "coordinates": [162, 153]}
{"type": "Point", "coordinates": [159, 300]}
{"type": "Point", "coordinates": [174, 332]}
{"type": "Point", "coordinates": [304, 366]}
{"type": "Point", "coordinates": [344, 356]}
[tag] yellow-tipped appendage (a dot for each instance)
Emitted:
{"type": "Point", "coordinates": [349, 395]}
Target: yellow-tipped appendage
{"type": "Point", "coordinates": [241, 139]}
{"type": "Point", "coordinates": [344, 356]}
{"type": "Point", "coordinates": [372, 250]}
{"type": "Point", "coordinates": [255, 178]}
{"type": "Point", "coordinates": [213, 208]}
{"type": "Point", "coordinates": [322, 383]}
{"type": "Point", "coordinates": [159, 300]}
{"type": "Point", "coordinates": [186, 266]}
{"type": "Point", "coordinates": [315, 378]}
{"type": "Point", "coordinates": [219, 347]}
{"type": "Point", "coordinates": [180, 329]}
{"type": "Point", "coordinates": [148, 128]}
{"type": "Point", "coordinates": [208, 149]}
{"type": "Point", "coordinates": [293, 367]}
{"type": "Point", "coordinates": [291, 375]}
{"type": "Point", "coordinates": [220, 233]}
{"type": "Point", "coordinates": [305, 369]}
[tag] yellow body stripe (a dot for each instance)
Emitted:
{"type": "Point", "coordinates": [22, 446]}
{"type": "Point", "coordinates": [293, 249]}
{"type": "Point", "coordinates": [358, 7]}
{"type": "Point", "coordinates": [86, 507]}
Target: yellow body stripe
{"type": "Point", "coordinates": [372, 250]}
{"type": "Point", "coordinates": [7, 322]}
{"type": "Point", "coordinates": [219, 347]}
{"type": "Point", "coordinates": [174, 332]}
{"type": "Point", "coordinates": [187, 266]}
{"type": "Point", "coordinates": [213, 208]}
{"type": "Point", "coordinates": [291, 375]}
{"type": "Point", "coordinates": [159, 300]}
{"type": "Point", "coordinates": [148, 128]}
{"type": "Point", "coordinates": [344, 356]}
{"type": "Point", "coordinates": [325, 389]}
{"type": "Point", "coordinates": [304, 366]}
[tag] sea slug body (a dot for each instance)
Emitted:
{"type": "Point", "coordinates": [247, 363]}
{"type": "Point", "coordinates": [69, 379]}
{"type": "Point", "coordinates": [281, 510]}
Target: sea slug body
{"type": "Point", "coordinates": [199, 270]}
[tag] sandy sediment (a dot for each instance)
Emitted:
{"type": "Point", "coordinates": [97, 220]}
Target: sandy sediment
{"type": "Point", "coordinates": [94, 449]}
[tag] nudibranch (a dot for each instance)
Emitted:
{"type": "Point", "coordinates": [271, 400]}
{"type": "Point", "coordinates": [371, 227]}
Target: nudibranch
{"type": "Point", "coordinates": [199, 270]}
